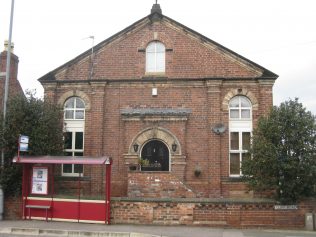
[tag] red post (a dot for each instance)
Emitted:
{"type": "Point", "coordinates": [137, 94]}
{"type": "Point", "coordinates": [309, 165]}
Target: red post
{"type": "Point", "coordinates": [23, 190]}
{"type": "Point", "coordinates": [25, 187]}
{"type": "Point", "coordinates": [105, 197]}
{"type": "Point", "coordinates": [108, 193]}
{"type": "Point", "coordinates": [79, 187]}
{"type": "Point", "coordinates": [19, 148]}
{"type": "Point", "coordinates": [52, 190]}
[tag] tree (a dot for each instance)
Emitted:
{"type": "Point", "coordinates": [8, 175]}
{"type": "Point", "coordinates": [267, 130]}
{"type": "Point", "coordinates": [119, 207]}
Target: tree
{"type": "Point", "coordinates": [284, 153]}
{"type": "Point", "coordinates": [42, 122]}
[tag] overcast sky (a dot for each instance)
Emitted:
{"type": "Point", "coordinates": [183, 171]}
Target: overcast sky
{"type": "Point", "coordinates": [280, 35]}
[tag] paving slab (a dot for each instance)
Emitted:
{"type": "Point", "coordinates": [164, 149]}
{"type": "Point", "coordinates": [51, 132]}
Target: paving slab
{"type": "Point", "coordinates": [50, 228]}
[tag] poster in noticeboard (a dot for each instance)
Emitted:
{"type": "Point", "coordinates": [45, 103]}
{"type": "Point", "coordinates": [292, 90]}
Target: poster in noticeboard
{"type": "Point", "coordinates": [40, 180]}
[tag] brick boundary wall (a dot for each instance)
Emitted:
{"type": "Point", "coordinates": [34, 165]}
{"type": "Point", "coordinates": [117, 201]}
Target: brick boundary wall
{"type": "Point", "coordinates": [213, 213]}
{"type": "Point", "coordinates": [196, 212]}
{"type": "Point", "coordinates": [12, 208]}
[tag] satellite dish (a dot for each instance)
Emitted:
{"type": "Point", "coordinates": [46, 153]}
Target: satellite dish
{"type": "Point", "coordinates": [219, 128]}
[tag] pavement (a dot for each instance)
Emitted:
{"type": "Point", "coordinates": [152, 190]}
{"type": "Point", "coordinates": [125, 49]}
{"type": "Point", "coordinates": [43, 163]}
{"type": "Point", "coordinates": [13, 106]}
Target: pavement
{"type": "Point", "coordinates": [51, 228]}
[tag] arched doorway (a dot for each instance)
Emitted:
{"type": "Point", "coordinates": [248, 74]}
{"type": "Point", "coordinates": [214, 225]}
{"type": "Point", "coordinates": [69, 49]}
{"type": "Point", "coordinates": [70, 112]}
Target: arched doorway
{"type": "Point", "coordinates": [155, 156]}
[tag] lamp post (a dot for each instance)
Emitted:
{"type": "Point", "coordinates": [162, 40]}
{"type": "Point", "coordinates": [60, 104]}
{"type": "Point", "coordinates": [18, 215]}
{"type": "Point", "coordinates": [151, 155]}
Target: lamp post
{"type": "Point", "coordinates": [5, 98]}
{"type": "Point", "coordinates": [7, 76]}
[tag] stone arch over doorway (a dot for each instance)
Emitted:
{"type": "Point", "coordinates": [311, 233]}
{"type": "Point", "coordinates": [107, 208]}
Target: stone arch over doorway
{"type": "Point", "coordinates": [177, 161]}
{"type": "Point", "coordinates": [156, 133]}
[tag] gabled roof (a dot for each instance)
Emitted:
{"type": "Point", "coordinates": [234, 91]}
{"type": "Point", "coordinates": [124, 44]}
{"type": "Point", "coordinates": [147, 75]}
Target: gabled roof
{"type": "Point", "coordinates": [156, 15]}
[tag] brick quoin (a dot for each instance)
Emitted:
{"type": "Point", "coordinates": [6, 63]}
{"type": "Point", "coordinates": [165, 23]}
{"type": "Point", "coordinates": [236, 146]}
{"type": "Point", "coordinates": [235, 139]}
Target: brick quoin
{"type": "Point", "coordinates": [199, 76]}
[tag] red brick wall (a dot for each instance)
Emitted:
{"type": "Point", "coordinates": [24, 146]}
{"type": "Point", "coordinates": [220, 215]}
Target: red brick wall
{"type": "Point", "coordinates": [157, 185]}
{"type": "Point", "coordinates": [12, 208]}
{"type": "Point", "coordinates": [188, 65]}
{"type": "Point", "coordinates": [190, 57]}
{"type": "Point", "coordinates": [215, 214]}
{"type": "Point", "coordinates": [107, 134]}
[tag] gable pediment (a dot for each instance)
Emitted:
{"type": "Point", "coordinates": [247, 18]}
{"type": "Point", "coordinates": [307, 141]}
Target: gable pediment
{"type": "Point", "coordinates": [188, 55]}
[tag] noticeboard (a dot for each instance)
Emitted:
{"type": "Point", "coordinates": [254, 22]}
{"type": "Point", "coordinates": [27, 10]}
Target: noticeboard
{"type": "Point", "coordinates": [40, 180]}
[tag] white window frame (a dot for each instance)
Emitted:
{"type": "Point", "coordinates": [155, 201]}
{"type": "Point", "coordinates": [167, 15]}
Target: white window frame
{"type": "Point", "coordinates": [154, 56]}
{"type": "Point", "coordinates": [239, 125]}
{"type": "Point", "coordinates": [73, 130]}
{"type": "Point", "coordinates": [240, 108]}
{"type": "Point", "coordinates": [240, 151]}
{"type": "Point", "coordinates": [74, 125]}
{"type": "Point", "coordinates": [74, 109]}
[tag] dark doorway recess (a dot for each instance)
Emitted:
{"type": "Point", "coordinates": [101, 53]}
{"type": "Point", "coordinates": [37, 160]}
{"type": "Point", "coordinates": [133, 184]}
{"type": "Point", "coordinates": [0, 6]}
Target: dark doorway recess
{"type": "Point", "coordinates": [155, 156]}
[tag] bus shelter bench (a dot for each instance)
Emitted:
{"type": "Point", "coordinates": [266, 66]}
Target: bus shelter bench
{"type": "Point", "coordinates": [29, 207]}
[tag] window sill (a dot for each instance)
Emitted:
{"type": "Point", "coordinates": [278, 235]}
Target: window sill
{"type": "Point", "coordinates": [155, 74]}
{"type": "Point", "coordinates": [148, 172]}
{"type": "Point", "coordinates": [68, 119]}
{"type": "Point", "coordinates": [241, 119]}
{"type": "Point", "coordinates": [72, 178]}
{"type": "Point", "coordinates": [234, 179]}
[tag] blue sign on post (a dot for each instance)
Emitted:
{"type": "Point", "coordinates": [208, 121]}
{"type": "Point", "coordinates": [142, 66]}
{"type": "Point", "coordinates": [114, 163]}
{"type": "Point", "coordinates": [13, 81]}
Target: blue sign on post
{"type": "Point", "coordinates": [24, 143]}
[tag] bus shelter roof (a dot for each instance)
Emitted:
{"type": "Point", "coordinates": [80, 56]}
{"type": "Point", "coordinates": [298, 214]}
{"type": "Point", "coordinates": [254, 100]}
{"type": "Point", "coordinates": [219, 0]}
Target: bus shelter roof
{"type": "Point", "coordinates": [82, 160]}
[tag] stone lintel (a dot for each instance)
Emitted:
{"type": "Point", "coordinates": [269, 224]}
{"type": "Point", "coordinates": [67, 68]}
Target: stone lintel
{"type": "Point", "coordinates": [155, 118]}
{"type": "Point", "coordinates": [214, 83]}
{"type": "Point", "coordinates": [155, 114]}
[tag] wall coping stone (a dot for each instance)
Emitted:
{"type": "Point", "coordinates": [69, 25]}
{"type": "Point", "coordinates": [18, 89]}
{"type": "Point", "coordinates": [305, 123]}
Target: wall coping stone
{"type": "Point", "coordinates": [227, 201]}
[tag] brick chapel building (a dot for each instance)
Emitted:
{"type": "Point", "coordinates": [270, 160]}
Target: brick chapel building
{"type": "Point", "coordinates": [174, 109]}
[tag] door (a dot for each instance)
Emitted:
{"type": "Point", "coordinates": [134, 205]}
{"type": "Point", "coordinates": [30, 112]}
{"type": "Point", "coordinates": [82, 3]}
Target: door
{"type": "Point", "coordinates": [155, 156]}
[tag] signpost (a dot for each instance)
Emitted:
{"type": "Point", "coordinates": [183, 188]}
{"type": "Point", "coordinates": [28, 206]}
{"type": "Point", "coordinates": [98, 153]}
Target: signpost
{"type": "Point", "coordinates": [23, 144]}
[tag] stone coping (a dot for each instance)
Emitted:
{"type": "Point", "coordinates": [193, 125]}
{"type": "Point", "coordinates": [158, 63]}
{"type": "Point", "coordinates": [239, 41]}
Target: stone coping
{"type": "Point", "coordinates": [197, 200]}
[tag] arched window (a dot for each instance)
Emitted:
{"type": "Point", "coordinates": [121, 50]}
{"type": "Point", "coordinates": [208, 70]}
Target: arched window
{"type": "Point", "coordinates": [240, 129]}
{"type": "Point", "coordinates": [240, 108]}
{"type": "Point", "coordinates": [74, 116]}
{"type": "Point", "coordinates": [74, 109]}
{"type": "Point", "coordinates": [155, 57]}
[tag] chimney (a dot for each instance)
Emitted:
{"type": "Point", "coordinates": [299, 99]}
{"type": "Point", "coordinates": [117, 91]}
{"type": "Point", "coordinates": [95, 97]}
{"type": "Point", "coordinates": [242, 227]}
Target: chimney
{"type": "Point", "coordinates": [6, 46]}
{"type": "Point", "coordinates": [3, 62]}
{"type": "Point", "coordinates": [13, 83]}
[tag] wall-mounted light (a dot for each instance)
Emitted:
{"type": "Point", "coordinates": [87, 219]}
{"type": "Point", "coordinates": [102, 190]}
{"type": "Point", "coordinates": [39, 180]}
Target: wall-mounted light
{"type": "Point", "coordinates": [135, 146]}
{"type": "Point", "coordinates": [174, 147]}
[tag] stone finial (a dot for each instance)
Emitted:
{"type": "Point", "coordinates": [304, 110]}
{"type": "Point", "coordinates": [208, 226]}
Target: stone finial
{"type": "Point", "coordinates": [6, 46]}
{"type": "Point", "coordinates": [156, 8]}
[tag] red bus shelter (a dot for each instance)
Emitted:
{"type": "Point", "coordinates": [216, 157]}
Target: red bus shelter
{"type": "Point", "coordinates": [38, 193]}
